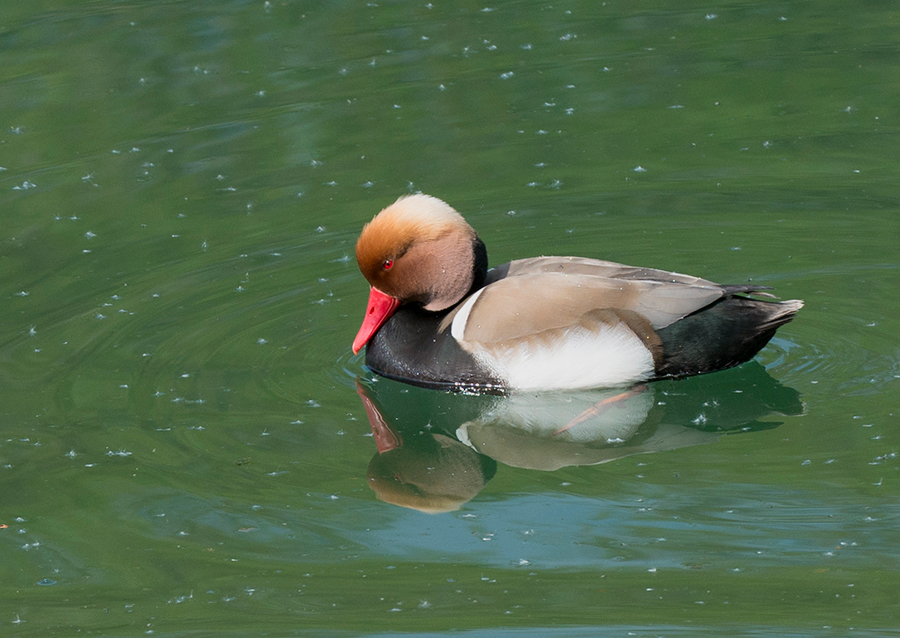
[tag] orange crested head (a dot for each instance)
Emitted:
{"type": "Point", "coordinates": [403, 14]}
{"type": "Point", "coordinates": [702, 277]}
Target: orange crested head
{"type": "Point", "coordinates": [410, 242]}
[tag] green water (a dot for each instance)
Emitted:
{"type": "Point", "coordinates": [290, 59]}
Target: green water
{"type": "Point", "coordinates": [184, 450]}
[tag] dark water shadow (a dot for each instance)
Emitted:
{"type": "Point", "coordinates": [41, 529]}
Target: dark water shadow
{"type": "Point", "coordinates": [436, 451]}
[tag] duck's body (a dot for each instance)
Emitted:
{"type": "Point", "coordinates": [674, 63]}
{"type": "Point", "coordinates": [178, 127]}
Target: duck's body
{"type": "Point", "coordinates": [438, 318]}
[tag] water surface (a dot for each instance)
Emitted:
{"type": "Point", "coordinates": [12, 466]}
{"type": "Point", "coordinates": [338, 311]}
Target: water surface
{"type": "Point", "coordinates": [185, 438]}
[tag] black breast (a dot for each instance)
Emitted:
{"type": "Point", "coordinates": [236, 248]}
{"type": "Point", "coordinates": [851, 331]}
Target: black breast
{"type": "Point", "coordinates": [410, 348]}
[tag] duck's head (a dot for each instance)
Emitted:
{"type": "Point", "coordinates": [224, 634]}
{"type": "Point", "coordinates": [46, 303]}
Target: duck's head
{"type": "Point", "coordinates": [417, 250]}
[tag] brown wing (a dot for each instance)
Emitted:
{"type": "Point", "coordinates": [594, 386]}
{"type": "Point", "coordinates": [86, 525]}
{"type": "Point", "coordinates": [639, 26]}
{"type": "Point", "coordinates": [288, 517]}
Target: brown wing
{"type": "Point", "coordinates": [555, 292]}
{"type": "Point", "coordinates": [592, 267]}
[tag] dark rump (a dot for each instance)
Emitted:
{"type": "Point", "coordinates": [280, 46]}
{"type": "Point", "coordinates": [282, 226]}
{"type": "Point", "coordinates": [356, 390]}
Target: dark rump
{"type": "Point", "coordinates": [722, 335]}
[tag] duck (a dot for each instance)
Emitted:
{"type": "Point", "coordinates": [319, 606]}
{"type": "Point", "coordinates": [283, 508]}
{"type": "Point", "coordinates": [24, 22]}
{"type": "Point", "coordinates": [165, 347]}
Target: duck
{"type": "Point", "coordinates": [438, 317]}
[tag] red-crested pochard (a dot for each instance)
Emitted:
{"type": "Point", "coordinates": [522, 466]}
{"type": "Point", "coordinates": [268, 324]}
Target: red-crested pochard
{"type": "Point", "coordinates": [437, 317]}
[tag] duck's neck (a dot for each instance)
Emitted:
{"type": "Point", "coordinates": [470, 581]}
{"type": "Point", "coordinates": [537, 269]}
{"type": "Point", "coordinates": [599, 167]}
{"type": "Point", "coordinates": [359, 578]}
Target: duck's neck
{"type": "Point", "coordinates": [479, 266]}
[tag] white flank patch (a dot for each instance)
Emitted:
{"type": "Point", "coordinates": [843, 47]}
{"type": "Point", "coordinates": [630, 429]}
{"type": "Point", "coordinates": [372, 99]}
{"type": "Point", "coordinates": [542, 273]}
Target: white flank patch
{"type": "Point", "coordinates": [577, 358]}
{"type": "Point", "coordinates": [458, 327]}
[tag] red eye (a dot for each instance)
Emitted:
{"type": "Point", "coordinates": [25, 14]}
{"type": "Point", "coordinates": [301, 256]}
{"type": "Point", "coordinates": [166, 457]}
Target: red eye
{"type": "Point", "coordinates": [388, 264]}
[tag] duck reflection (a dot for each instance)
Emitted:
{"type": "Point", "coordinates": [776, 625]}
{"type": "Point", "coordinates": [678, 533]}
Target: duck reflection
{"type": "Point", "coordinates": [436, 451]}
